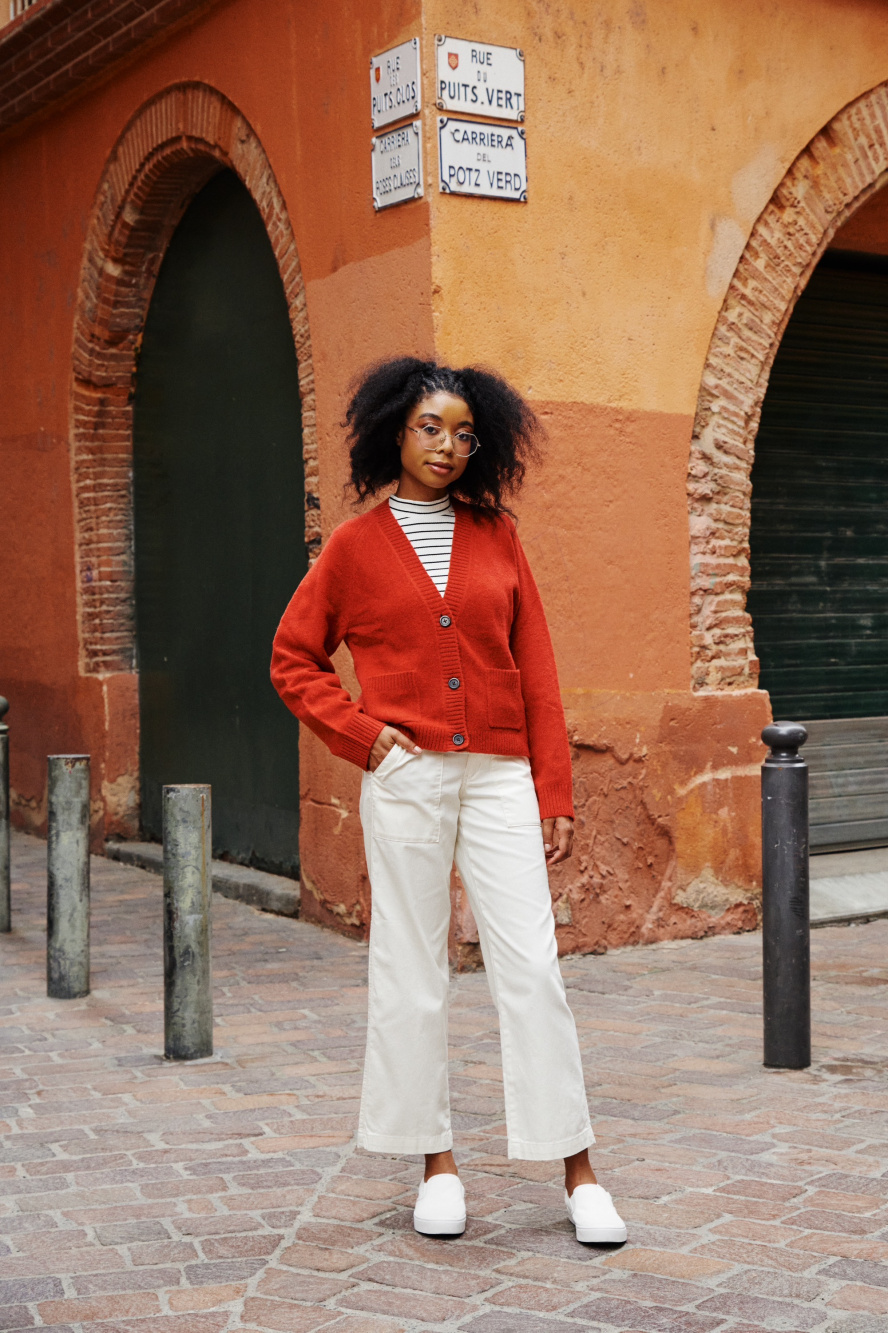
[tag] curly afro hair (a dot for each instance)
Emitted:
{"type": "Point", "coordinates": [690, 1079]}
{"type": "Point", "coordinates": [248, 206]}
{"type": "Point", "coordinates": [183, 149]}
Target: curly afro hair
{"type": "Point", "coordinates": [384, 396]}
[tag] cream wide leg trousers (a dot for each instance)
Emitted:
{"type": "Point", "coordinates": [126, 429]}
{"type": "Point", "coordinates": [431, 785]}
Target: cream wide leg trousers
{"type": "Point", "coordinates": [419, 813]}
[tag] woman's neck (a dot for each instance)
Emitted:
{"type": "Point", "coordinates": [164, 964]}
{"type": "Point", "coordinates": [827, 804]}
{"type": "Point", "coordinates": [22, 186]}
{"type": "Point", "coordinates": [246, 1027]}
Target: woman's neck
{"type": "Point", "coordinates": [411, 489]}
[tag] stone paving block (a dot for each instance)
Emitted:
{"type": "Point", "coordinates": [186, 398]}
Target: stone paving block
{"type": "Point", "coordinates": [502, 1321]}
{"type": "Point", "coordinates": [178, 1323]}
{"type": "Point", "coordinates": [556, 1272]}
{"type": "Point", "coordinates": [350, 1210]}
{"type": "Point", "coordinates": [853, 1297]}
{"type": "Point", "coordinates": [308, 1288]}
{"type": "Point", "coordinates": [321, 1260]}
{"type": "Point", "coordinates": [253, 1245]}
{"type": "Point", "coordinates": [126, 1279]}
{"type": "Point", "coordinates": [655, 1288]}
{"type": "Point", "coordinates": [406, 1305]}
{"type": "Point", "coordinates": [840, 1180]}
{"type": "Point", "coordinates": [17, 1317]}
{"type": "Point", "coordinates": [420, 1278]}
{"type": "Point", "coordinates": [426, 1249]}
{"type": "Point", "coordinates": [761, 1189]}
{"type": "Point", "coordinates": [84, 1309]}
{"type": "Point", "coordinates": [758, 1256]}
{"type": "Point", "coordinates": [222, 1271]}
{"type": "Point", "coordinates": [855, 1270]}
{"type": "Point", "coordinates": [760, 1310]}
{"type": "Point", "coordinates": [560, 1244]}
{"type": "Point", "coordinates": [206, 1298]}
{"type": "Point", "coordinates": [351, 1323]}
{"type": "Point", "coordinates": [19, 1291]}
{"type": "Point", "coordinates": [525, 1296]}
{"type": "Point", "coordinates": [358, 1187]}
{"type": "Point", "coordinates": [842, 1224]}
{"type": "Point", "coordinates": [626, 1315]}
{"type": "Point", "coordinates": [666, 1263]}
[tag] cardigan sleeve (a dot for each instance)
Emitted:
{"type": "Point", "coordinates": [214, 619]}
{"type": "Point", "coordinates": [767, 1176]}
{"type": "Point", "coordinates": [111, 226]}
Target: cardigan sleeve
{"type": "Point", "coordinates": [312, 628]}
{"type": "Point", "coordinates": [532, 652]}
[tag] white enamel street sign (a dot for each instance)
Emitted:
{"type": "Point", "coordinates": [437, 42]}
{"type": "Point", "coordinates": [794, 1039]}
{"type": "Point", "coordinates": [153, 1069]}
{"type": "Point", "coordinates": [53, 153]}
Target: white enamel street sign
{"type": "Point", "coordinates": [478, 158]}
{"type": "Point", "coordinates": [480, 79]}
{"type": "Point", "coordinates": [396, 157]}
{"type": "Point", "coordinates": [395, 88]}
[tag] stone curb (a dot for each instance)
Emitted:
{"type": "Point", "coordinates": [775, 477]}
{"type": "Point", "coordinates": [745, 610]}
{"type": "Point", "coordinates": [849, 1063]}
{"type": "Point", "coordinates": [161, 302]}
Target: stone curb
{"type": "Point", "coordinates": [258, 888]}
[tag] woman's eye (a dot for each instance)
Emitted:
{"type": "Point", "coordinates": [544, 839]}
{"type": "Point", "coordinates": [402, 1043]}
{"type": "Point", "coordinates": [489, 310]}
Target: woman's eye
{"type": "Point", "coordinates": [429, 430]}
{"type": "Point", "coordinates": [463, 436]}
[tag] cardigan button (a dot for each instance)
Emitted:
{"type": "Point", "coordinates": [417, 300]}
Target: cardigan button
{"type": "Point", "coordinates": [459, 740]}
{"type": "Point", "coordinates": [445, 622]}
{"type": "Point", "coordinates": [453, 682]}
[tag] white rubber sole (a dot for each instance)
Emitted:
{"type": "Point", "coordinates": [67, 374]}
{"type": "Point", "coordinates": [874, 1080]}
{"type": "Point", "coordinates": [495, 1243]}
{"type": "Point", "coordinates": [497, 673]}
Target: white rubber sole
{"type": "Point", "coordinates": [601, 1235]}
{"type": "Point", "coordinates": [436, 1226]}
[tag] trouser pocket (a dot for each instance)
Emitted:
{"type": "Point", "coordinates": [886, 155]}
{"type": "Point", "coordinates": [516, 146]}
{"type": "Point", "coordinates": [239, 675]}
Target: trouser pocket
{"type": "Point", "coordinates": [516, 790]}
{"type": "Point", "coordinates": [406, 794]}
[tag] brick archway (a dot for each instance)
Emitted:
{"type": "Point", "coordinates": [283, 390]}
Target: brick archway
{"type": "Point", "coordinates": [170, 149]}
{"type": "Point", "coordinates": [837, 172]}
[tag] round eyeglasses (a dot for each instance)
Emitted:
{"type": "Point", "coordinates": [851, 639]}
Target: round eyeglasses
{"type": "Point", "coordinates": [433, 437]}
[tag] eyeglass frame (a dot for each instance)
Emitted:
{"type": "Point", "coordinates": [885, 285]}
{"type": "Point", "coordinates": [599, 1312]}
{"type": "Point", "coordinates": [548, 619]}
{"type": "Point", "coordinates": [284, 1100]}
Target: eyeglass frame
{"type": "Point", "coordinates": [417, 430]}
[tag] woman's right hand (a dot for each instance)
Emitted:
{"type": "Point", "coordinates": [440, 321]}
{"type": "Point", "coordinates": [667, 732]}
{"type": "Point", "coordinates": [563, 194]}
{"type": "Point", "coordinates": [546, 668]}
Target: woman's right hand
{"type": "Point", "coordinates": [388, 737]}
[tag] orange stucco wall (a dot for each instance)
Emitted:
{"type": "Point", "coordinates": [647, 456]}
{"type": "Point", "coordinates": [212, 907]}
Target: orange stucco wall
{"type": "Point", "coordinates": [656, 134]}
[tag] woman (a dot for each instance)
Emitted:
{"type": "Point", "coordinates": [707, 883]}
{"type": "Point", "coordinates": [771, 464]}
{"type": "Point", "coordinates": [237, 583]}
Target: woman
{"type": "Point", "coordinates": [460, 732]}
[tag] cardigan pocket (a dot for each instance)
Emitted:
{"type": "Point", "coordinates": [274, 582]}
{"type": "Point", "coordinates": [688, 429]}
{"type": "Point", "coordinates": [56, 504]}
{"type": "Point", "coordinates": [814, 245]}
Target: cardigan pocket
{"type": "Point", "coordinates": [505, 702]}
{"type": "Point", "coordinates": [392, 699]}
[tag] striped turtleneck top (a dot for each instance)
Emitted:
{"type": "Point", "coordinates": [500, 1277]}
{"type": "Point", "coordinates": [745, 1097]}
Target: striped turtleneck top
{"type": "Point", "coordinates": [428, 526]}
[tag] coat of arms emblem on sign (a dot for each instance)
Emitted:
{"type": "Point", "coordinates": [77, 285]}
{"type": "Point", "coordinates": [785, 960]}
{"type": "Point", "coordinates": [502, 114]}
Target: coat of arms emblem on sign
{"type": "Point", "coordinates": [453, 59]}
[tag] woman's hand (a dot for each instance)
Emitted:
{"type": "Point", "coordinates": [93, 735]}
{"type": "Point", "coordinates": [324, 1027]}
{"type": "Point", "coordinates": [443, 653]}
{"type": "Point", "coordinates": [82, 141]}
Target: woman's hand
{"type": "Point", "coordinates": [388, 737]}
{"type": "Point", "coordinates": [558, 836]}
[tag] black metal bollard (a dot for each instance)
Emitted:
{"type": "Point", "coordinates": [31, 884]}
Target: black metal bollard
{"type": "Point", "coordinates": [67, 877]}
{"type": "Point", "coordinates": [187, 896]}
{"type": "Point", "coordinates": [5, 901]}
{"type": "Point", "coordinates": [786, 951]}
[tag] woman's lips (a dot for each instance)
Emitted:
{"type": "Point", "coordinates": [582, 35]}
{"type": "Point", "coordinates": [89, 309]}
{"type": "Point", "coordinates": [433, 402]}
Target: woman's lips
{"type": "Point", "coordinates": [442, 469]}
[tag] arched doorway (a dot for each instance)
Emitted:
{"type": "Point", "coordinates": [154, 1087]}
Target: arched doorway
{"type": "Point", "coordinates": [818, 591]}
{"type": "Point", "coordinates": [219, 526]}
{"type": "Point", "coordinates": [829, 188]}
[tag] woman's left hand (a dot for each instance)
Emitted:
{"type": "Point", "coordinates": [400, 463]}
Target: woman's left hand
{"type": "Point", "coordinates": [558, 836]}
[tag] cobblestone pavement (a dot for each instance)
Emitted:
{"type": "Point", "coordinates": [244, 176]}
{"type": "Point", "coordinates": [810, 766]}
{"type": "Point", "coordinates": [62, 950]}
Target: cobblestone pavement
{"type": "Point", "coordinates": [229, 1195]}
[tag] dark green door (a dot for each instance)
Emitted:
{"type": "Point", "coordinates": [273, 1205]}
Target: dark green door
{"type": "Point", "coordinates": [819, 542]}
{"type": "Point", "coordinates": [219, 527]}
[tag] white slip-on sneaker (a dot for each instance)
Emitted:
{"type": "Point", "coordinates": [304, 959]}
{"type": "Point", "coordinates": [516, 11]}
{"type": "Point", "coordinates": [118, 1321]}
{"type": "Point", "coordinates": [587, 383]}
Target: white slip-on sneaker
{"type": "Point", "coordinates": [440, 1207]}
{"type": "Point", "coordinates": [592, 1211]}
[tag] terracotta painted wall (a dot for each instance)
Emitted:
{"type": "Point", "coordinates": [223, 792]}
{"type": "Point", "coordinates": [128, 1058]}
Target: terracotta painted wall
{"type": "Point", "coordinates": [301, 80]}
{"type": "Point", "coordinates": [657, 132]}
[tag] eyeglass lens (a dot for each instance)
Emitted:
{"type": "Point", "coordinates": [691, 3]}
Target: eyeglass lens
{"type": "Point", "coordinates": [464, 444]}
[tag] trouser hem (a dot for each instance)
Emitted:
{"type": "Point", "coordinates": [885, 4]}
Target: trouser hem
{"type": "Point", "coordinates": [529, 1151]}
{"type": "Point", "coordinates": [401, 1143]}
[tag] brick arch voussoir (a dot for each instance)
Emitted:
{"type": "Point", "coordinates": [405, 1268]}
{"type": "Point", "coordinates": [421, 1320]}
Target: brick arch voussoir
{"type": "Point", "coordinates": [170, 149]}
{"type": "Point", "coordinates": [839, 170]}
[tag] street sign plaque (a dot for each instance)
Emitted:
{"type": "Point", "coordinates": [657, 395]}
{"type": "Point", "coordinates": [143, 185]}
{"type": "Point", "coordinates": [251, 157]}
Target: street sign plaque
{"type": "Point", "coordinates": [396, 158]}
{"type": "Point", "coordinates": [395, 85]}
{"type": "Point", "coordinates": [479, 79]}
{"type": "Point", "coordinates": [478, 158]}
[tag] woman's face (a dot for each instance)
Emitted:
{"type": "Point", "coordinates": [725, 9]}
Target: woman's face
{"type": "Point", "coordinates": [439, 467]}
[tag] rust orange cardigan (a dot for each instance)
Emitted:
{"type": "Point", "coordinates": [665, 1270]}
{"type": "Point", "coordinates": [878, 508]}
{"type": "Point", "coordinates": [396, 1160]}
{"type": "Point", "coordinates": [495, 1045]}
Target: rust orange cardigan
{"type": "Point", "coordinates": [473, 670]}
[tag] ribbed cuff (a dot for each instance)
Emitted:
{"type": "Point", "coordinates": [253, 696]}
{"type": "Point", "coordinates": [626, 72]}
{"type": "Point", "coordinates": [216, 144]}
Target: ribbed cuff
{"type": "Point", "coordinates": [356, 743]}
{"type": "Point", "coordinates": [556, 798]}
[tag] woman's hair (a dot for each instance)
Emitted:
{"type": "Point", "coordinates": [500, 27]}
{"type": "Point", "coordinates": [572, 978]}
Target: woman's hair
{"type": "Point", "coordinates": [384, 396]}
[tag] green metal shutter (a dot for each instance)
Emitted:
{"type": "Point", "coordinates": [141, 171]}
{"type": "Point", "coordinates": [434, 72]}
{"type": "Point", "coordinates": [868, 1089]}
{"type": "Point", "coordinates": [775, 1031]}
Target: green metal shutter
{"type": "Point", "coordinates": [219, 527]}
{"type": "Point", "coordinates": [819, 542]}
